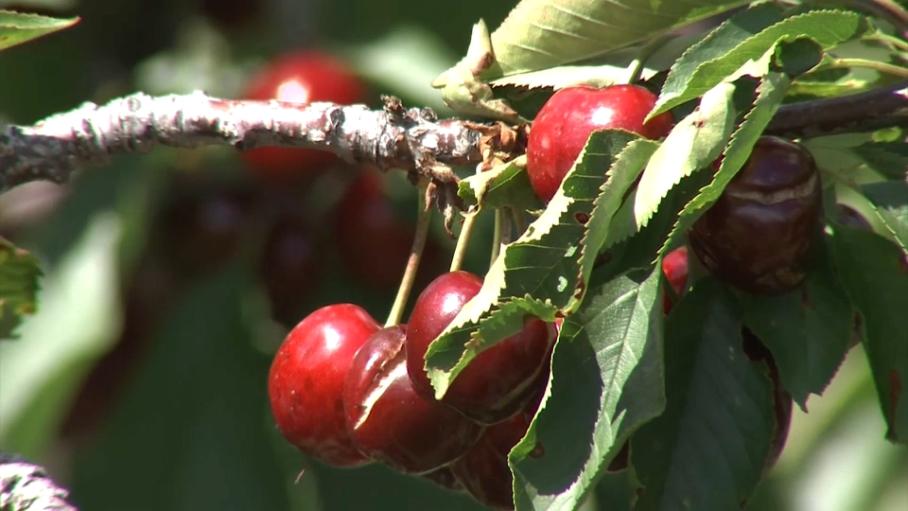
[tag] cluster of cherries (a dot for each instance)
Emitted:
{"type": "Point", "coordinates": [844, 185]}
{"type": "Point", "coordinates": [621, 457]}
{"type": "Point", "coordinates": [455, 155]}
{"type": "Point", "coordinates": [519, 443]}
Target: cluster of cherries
{"type": "Point", "coordinates": [347, 391]}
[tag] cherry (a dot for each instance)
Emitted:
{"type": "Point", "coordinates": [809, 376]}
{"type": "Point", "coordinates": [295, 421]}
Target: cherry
{"type": "Point", "coordinates": [674, 266]}
{"type": "Point", "coordinates": [483, 471]}
{"type": "Point", "coordinates": [389, 421]}
{"type": "Point", "coordinates": [566, 120]}
{"type": "Point", "coordinates": [306, 382]}
{"type": "Point", "coordinates": [288, 266]}
{"type": "Point", "coordinates": [299, 77]}
{"type": "Point", "coordinates": [373, 240]}
{"type": "Point", "coordinates": [757, 236]}
{"type": "Point", "coordinates": [501, 379]}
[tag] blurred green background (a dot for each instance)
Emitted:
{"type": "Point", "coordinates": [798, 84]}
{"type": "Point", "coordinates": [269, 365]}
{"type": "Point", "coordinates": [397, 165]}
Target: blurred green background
{"type": "Point", "coordinates": [140, 383]}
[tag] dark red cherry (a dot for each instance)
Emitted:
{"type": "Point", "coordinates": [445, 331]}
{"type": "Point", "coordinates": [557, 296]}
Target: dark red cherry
{"type": "Point", "coordinates": [483, 471]}
{"type": "Point", "coordinates": [299, 77]}
{"type": "Point", "coordinates": [307, 378]}
{"type": "Point", "coordinates": [758, 235]}
{"type": "Point", "coordinates": [499, 381]}
{"type": "Point", "coordinates": [288, 266]}
{"type": "Point", "coordinates": [389, 421]}
{"type": "Point", "coordinates": [565, 122]}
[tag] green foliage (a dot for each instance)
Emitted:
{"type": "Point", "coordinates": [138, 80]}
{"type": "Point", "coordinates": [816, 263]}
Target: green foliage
{"type": "Point", "coordinates": [807, 330]}
{"type": "Point", "coordinates": [746, 37]}
{"type": "Point", "coordinates": [873, 272]}
{"type": "Point", "coordinates": [708, 449]}
{"type": "Point", "coordinates": [19, 273]}
{"type": "Point", "coordinates": [17, 28]}
{"type": "Point", "coordinates": [506, 185]}
{"type": "Point", "coordinates": [890, 200]}
{"type": "Point", "coordinates": [607, 378]}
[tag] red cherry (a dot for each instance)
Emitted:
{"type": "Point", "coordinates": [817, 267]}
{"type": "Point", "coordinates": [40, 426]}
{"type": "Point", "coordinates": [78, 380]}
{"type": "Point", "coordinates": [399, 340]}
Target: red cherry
{"type": "Point", "coordinates": [300, 77]}
{"type": "Point", "coordinates": [373, 239]}
{"type": "Point", "coordinates": [758, 235]}
{"type": "Point", "coordinates": [389, 421]}
{"type": "Point", "coordinates": [307, 379]}
{"type": "Point", "coordinates": [483, 471]}
{"type": "Point", "coordinates": [564, 123]}
{"type": "Point", "coordinates": [500, 380]}
{"type": "Point", "coordinates": [674, 266]}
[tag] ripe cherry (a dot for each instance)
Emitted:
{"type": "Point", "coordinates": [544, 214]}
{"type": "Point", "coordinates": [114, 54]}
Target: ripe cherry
{"type": "Point", "coordinates": [757, 236]}
{"type": "Point", "coordinates": [483, 471]}
{"type": "Point", "coordinates": [374, 239]}
{"type": "Point", "coordinates": [566, 120]}
{"type": "Point", "coordinates": [300, 77]}
{"type": "Point", "coordinates": [674, 266]}
{"type": "Point", "coordinates": [307, 377]}
{"type": "Point", "coordinates": [389, 421]}
{"type": "Point", "coordinates": [500, 380]}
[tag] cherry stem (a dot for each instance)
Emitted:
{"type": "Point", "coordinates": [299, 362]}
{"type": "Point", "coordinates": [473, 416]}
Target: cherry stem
{"type": "Point", "coordinates": [881, 67]}
{"type": "Point", "coordinates": [423, 217]}
{"type": "Point", "coordinates": [496, 236]}
{"type": "Point", "coordinates": [463, 241]}
{"type": "Point", "coordinates": [635, 68]}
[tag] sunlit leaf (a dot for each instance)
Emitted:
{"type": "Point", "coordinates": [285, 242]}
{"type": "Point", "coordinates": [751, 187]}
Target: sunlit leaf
{"type": "Point", "coordinates": [19, 275]}
{"type": "Point", "coordinates": [17, 28]}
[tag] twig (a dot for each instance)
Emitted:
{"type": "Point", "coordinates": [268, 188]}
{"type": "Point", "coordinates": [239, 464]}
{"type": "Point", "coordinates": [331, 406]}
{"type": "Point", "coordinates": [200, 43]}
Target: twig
{"type": "Point", "coordinates": [869, 110]}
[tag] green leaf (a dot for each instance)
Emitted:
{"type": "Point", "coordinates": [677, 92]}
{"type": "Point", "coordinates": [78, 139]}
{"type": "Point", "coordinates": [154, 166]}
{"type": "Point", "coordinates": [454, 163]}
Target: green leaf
{"type": "Point", "coordinates": [192, 424]}
{"type": "Point", "coordinates": [874, 272]}
{"type": "Point", "coordinates": [505, 185]}
{"type": "Point", "coordinates": [17, 28]}
{"type": "Point", "coordinates": [537, 274]}
{"type": "Point", "coordinates": [743, 39]}
{"type": "Point", "coordinates": [890, 201]}
{"type": "Point", "coordinates": [770, 93]}
{"type": "Point", "coordinates": [76, 324]}
{"type": "Point", "coordinates": [807, 330]}
{"type": "Point", "coordinates": [567, 76]}
{"type": "Point", "coordinates": [709, 447]}
{"type": "Point", "coordinates": [19, 274]}
{"type": "Point", "coordinates": [540, 34]}
{"type": "Point", "coordinates": [606, 381]}
{"type": "Point", "coordinates": [692, 144]}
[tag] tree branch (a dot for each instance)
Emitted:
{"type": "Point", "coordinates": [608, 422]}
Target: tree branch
{"type": "Point", "coordinates": [394, 137]}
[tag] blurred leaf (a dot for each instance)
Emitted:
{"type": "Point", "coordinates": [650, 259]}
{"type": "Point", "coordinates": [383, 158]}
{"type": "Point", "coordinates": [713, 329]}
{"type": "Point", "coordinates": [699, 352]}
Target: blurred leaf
{"type": "Point", "coordinates": [539, 273]}
{"type": "Point", "coordinates": [888, 158]}
{"type": "Point", "coordinates": [875, 275]}
{"type": "Point", "coordinates": [504, 185]}
{"type": "Point", "coordinates": [403, 62]}
{"type": "Point", "coordinates": [19, 274]}
{"type": "Point", "coordinates": [190, 431]}
{"type": "Point", "coordinates": [745, 37]}
{"type": "Point", "coordinates": [807, 330]}
{"type": "Point", "coordinates": [17, 28]}
{"type": "Point", "coordinates": [770, 92]}
{"type": "Point", "coordinates": [890, 201]}
{"type": "Point", "coordinates": [606, 381]}
{"type": "Point", "coordinates": [709, 447]}
{"type": "Point", "coordinates": [693, 144]}
{"type": "Point", "coordinates": [76, 324]}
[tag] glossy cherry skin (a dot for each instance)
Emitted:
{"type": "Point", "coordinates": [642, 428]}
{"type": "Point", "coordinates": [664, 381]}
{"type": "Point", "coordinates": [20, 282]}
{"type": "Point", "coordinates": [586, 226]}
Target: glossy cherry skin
{"type": "Point", "coordinates": [307, 378]}
{"type": "Point", "coordinates": [500, 380]}
{"type": "Point", "coordinates": [566, 120]}
{"type": "Point", "coordinates": [373, 239]}
{"type": "Point", "coordinates": [483, 471]}
{"type": "Point", "coordinates": [674, 266]}
{"type": "Point", "coordinates": [389, 421]}
{"type": "Point", "coordinates": [758, 235]}
{"type": "Point", "coordinates": [300, 77]}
